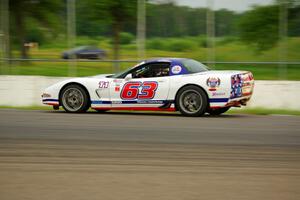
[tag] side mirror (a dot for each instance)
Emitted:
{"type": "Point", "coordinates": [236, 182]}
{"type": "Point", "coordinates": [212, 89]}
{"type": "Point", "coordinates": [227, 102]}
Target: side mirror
{"type": "Point", "coordinates": [128, 77]}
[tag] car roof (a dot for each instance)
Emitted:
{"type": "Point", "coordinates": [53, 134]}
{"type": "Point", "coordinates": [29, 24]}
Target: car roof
{"type": "Point", "coordinates": [172, 61]}
{"type": "Point", "coordinates": [82, 48]}
{"type": "Point", "coordinates": [163, 60]}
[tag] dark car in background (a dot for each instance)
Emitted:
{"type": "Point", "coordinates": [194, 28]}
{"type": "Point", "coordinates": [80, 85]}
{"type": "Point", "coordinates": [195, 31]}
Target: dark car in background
{"type": "Point", "coordinates": [84, 52]}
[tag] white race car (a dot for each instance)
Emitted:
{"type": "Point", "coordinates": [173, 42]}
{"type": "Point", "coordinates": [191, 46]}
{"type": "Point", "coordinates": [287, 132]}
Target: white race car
{"type": "Point", "coordinates": [169, 84]}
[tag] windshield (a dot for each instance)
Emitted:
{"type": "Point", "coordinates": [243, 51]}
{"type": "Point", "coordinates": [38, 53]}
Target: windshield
{"type": "Point", "coordinates": [79, 48]}
{"type": "Point", "coordinates": [122, 74]}
{"type": "Point", "coordinates": [194, 66]}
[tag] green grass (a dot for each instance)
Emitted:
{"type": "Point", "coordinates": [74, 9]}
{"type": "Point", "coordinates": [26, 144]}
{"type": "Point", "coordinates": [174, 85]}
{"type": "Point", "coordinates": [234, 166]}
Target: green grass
{"type": "Point", "coordinates": [253, 111]}
{"type": "Point", "coordinates": [62, 68]}
{"type": "Point", "coordinates": [227, 49]}
{"type": "Point", "coordinates": [27, 107]}
{"type": "Point", "coordinates": [261, 72]}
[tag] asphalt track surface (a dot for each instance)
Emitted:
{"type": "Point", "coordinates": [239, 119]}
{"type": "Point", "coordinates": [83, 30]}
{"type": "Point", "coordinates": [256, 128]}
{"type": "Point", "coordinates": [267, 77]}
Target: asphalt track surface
{"type": "Point", "coordinates": [55, 155]}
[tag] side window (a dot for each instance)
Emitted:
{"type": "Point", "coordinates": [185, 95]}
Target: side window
{"type": "Point", "coordinates": [152, 70]}
{"type": "Point", "coordinates": [141, 72]}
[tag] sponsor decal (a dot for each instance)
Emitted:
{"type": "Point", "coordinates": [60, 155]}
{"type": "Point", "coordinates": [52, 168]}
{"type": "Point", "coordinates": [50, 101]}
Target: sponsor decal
{"type": "Point", "coordinates": [213, 83]}
{"type": "Point", "coordinates": [176, 69]}
{"type": "Point", "coordinates": [116, 102]}
{"type": "Point", "coordinates": [150, 102]}
{"type": "Point", "coordinates": [103, 84]}
{"type": "Point", "coordinates": [218, 94]}
{"type": "Point", "coordinates": [241, 85]}
{"type": "Point", "coordinates": [247, 77]}
{"type": "Point", "coordinates": [236, 86]}
{"type": "Point", "coordinates": [117, 88]}
{"type": "Point", "coordinates": [117, 80]}
{"type": "Point", "coordinates": [236, 92]}
{"type": "Point", "coordinates": [247, 84]}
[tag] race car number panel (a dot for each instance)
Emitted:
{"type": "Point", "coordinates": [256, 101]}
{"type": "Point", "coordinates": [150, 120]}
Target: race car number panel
{"type": "Point", "coordinates": [139, 90]}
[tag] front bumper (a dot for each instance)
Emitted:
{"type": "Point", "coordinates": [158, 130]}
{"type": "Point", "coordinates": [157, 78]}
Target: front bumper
{"type": "Point", "coordinates": [49, 98]}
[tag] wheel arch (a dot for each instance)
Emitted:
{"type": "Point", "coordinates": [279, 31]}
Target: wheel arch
{"type": "Point", "coordinates": [190, 84]}
{"type": "Point", "coordinates": [74, 83]}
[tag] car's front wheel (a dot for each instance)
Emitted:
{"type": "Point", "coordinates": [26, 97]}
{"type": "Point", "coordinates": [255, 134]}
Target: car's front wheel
{"type": "Point", "coordinates": [74, 99]}
{"type": "Point", "coordinates": [191, 101]}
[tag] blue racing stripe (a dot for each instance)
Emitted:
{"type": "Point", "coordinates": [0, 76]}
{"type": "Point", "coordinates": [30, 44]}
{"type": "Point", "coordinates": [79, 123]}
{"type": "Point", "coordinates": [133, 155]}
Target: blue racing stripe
{"type": "Point", "coordinates": [212, 100]}
{"type": "Point", "coordinates": [101, 102]}
{"type": "Point", "coordinates": [55, 100]}
{"type": "Point", "coordinates": [218, 100]}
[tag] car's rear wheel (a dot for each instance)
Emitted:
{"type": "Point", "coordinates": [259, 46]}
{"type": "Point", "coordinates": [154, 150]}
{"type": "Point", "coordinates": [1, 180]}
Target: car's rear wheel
{"type": "Point", "coordinates": [74, 99]}
{"type": "Point", "coordinates": [218, 111]}
{"type": "Point", "coordinates": [191, 101]}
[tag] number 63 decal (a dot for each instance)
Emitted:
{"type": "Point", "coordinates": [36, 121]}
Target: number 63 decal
{"type": "Point", "coordinates": [131, 90]}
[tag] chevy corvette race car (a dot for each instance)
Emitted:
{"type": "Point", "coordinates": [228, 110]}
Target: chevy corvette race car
{"type": "Point", "coordinates": [169, 84]}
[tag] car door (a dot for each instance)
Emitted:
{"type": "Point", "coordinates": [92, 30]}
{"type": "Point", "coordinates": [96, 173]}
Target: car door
{"type": "Point", "coordinates": [102, 88]}
{"type": "Point", "coordinates": [143, 89]}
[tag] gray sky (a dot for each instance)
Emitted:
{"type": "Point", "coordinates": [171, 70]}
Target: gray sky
{"type": "Point", "coordinates": [236, 5]}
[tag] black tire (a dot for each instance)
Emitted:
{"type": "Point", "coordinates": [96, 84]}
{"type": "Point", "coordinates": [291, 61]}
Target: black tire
{"type": "Point", "coordinates": [218, 111]}
{"type": "Point", "coordinates": [191, 101]}
{"type": "Point", "coordinates": [74, 99]}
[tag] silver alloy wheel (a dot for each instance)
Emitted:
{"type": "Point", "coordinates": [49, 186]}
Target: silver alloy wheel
{"type": "Point", "coordinates": [190, 101]}
{"type": "Point", "coordinates": [73, 99]}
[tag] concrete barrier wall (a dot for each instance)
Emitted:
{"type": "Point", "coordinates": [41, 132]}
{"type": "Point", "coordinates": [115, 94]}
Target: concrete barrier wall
{"type": "Point", "coordinates": [24, 90]}
{"type": "Point", "coordinates": [27, 90]}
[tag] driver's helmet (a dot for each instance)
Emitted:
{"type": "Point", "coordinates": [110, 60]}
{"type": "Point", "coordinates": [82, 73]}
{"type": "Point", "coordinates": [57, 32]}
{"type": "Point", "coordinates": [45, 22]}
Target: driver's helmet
{"type": "Point", "coordinates": [160, 71]}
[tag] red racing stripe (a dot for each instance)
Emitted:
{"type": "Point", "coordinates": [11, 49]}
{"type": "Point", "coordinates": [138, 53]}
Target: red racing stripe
{"type": "Point", "coordinates": [135, 108]}
{"type": "Point", "coordinates": [52, 104]}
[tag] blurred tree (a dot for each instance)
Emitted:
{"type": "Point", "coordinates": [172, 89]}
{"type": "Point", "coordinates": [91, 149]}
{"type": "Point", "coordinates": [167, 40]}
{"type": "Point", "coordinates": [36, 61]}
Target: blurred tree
{"type": "Point", "coordinates": [293, 16]}
{"type": "Point", "coordinates": [290, 3]}
{"type": "Point", "coordinates": [294, 21]}
{"type": "Point", "coordinates": [163, 20]}
{"type": "Point", "coordinates": [170, 20]}
{"type": "Point", "coordinates": [115, 13]}
{"type": "Point", "coordinates": [126, 38]}
{"type": "Point", "coordinates": [88, 23]}
{"type": "Point", "coordinates": [259, 26]}
{"type": "Point", "coordinates": [225, 23]}
{"type": "Point", "coordinates": [43, 12]}
{"type": "Point", "coordinates": [196, 21]}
